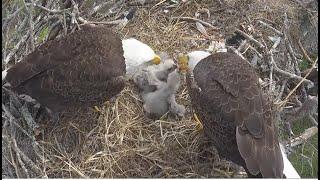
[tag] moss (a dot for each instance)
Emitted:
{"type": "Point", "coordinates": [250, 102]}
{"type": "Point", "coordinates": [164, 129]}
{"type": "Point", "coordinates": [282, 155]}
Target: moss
{"type": "Point", "coordinates": [304, 64]}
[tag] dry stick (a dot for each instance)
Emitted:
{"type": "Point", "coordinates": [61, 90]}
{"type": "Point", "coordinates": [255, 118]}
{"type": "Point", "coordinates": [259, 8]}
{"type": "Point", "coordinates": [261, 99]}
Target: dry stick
{"type": "Point", "coordinates": [285, 73]}
{"type": "Point", "coordinates": [256, 51]}
{"type": "Point", "coordinates": [31, 25]}
{"type": "Point", "coordinates": [295, 88]}
{"type": "Point", "coordinates": [242, 45]}
{"type": "Point", "coordinates": [115, 22]}
{"type": "Point", "coordinates": [282, 89]}
{"type": "Point", "coordinates": [15, 146]}
{"type": "Point", "coordinates": [13, 162]}
{"type": "Point", "coordinates": [304, 52]}
{"type": "Point", "coordinates": [274, 46]}
{"type": "Point", "coordinates": [50, 10]}
{"type": "Point", "coordinates": [75, 13]}
{"type": "Point", "coordinates": [10, 16]}
{"type": "Point", "coordinates": [196, 20]}
{"type": "Point", "coordinates": [28, 161]}
{"type": "Point", "coordinates": [270, 27]}
{"type": "Point", "coordinates": [307, 134]}
{"type": "Point", "coordinates": [15, 49]}
{"type": "Point", "coordinates": [286, 39]}
{"type": "Point", "coordinates": [270, 77]}
{"type": "Point", "coordinates": [250, 38]}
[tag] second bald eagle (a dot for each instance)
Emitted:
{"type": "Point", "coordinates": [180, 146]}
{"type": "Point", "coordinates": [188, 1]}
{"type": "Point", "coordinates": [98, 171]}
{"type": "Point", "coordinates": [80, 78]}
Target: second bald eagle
{"type": "Point", "coordinates": [236, 116]}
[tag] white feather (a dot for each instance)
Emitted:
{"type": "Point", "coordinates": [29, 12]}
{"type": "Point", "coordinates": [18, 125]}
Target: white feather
{"type": "Point", "coordinates": [289, 171]}
{"type": "Point", "coordinates": [195, 57]}
{"type": "Point", "coordinates": [135, 54]}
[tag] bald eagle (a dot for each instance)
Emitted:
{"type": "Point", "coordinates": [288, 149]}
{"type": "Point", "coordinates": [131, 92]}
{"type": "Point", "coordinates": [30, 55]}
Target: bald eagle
{"type": "Point", "coordinates": [235, 114]}
{"type": "Point", "coordinates": [84, 68]}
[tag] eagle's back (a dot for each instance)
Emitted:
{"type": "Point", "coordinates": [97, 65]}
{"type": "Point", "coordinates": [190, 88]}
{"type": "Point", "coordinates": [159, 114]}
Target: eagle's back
{"type": "Point", "coordinates": [231, 100]}
{"type": "Point", "coordinates": [76, 70]}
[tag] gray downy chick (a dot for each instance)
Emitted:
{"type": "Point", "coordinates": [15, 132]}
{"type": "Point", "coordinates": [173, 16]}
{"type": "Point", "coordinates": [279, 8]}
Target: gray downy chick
{"type": "Point", "coordinates": [152, 77]}
{"type": "Point", "coordinates": [176, 108]}
{"type": "Point", "coordinates": [156, 103]}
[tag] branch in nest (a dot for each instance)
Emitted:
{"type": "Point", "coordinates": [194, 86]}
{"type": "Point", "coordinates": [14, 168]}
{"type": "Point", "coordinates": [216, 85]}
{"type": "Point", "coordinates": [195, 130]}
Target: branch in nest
{"type": "Point", "coordinates": [304, 52]}
{"type": "Point", "coordinates": [15, 147]}
{"type": "Point", "coordinates": [196, 20]}
{"type": "Point", "coordinates": [238, 53]}
{"type": "Point", "coordinates": [15, 49]}
{"type": "Point", "coordinates": [307, 134]}
{"type": "Point", "coordinates": [98, 7]}
{"type": "Point", "coordinates": [115, 22]}
{"type": "Point", "coordinates": [26, 159]}
{"type": "Point", "coordinates": [31, 25]}
{"type": "Point", "coordinates": [288, 74]}
{"type": "Point", "coordinates": [270, 27]}
{"type": "Point", "coordinates": [295, 88]}
{"type": "Point", "coordinates": [250, 38]}
{"type": "Point", "coordinates": [306, 109]}
{"type": "Point", "coordinates": [53, 11]}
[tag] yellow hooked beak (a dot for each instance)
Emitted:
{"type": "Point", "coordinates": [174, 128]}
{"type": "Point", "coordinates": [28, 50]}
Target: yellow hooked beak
{"type": "Point", "coordinates": [156, 59]}
{"type": "Point", "coordinates": [183, 61]}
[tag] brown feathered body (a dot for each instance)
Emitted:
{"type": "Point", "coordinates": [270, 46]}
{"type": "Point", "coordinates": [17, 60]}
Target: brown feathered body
{"type": "Point", "coordinates": [235, 114]}
{"type": "Point", "coordinates": [83, 68]}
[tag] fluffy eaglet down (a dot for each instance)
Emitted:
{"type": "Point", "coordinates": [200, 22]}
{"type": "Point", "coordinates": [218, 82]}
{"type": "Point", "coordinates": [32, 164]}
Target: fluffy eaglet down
{"type": "Point", "coordinates": [235, 114]}
{"type": "Point", "coordinates": [82, 69]}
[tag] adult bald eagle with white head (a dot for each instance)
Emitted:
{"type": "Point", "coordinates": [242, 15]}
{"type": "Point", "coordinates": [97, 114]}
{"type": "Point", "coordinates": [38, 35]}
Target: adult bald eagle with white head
{"type": "Point", "coordinates": [235, 114]}
{"type": "Point", "coordinates": [82, 69]}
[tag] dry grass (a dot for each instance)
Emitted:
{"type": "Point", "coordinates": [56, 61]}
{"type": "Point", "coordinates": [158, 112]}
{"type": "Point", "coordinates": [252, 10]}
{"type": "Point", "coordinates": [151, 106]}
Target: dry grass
{"type": "Point", "coordinates": [119, 141]}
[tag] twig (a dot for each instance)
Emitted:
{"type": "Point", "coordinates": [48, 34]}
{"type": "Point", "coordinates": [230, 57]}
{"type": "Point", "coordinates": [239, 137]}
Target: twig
{"type": "Point", "coordinates": [256, 51]}
{"type": "Point", "coordinates": [274, 46]}
{"type": "Point", "coordinates": [286, 39]}
{"type": "Point", "coordinates": [301, 81]}
{"type": "Point", "coordinates": [290, 75]}
{"type": "Point", "coordinates": [115, 22]}
{"type": "Point", "coordinates": [307, 134]}
{"type": "Point", "coordinates": [270, 77]}
{"type": "Point", "coordinates": [242, 45]}
{"type": "Point", "coordinates": [53, 11]}
{"type": "Point", "coordinates": [196, 20]}
{"type": "Point", "coordinates": [31, 25]}
{"type": "Point", "coordinates": [10, 16]}
{"type": "Point", "coordinates": [250, 38]}
{"type": "Point", "coordinates": [304, 52]}
{"type": "Point", "coordinates": [75, 13]}
{"type": "Point", "coordinates": [282, 89]}
{"type": "Point", "coordinates": [27, 160]}
{"type": "Point", "coordinates": [270, 27]}
{"type": "Point", "coordinates": [15, 147]}
{"type": "Point", "coordinates": [15, 49]}
{"type": "Point", "coordinates": [98, 7]}
{"type": "Point", "coordinates": [238, 53]}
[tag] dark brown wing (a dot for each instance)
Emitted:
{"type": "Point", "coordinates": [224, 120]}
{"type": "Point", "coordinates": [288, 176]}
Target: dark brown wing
{"type": "Point", "coordinates": [78, 68]}
{"type": "Point", "coordinates": [231, 95]}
